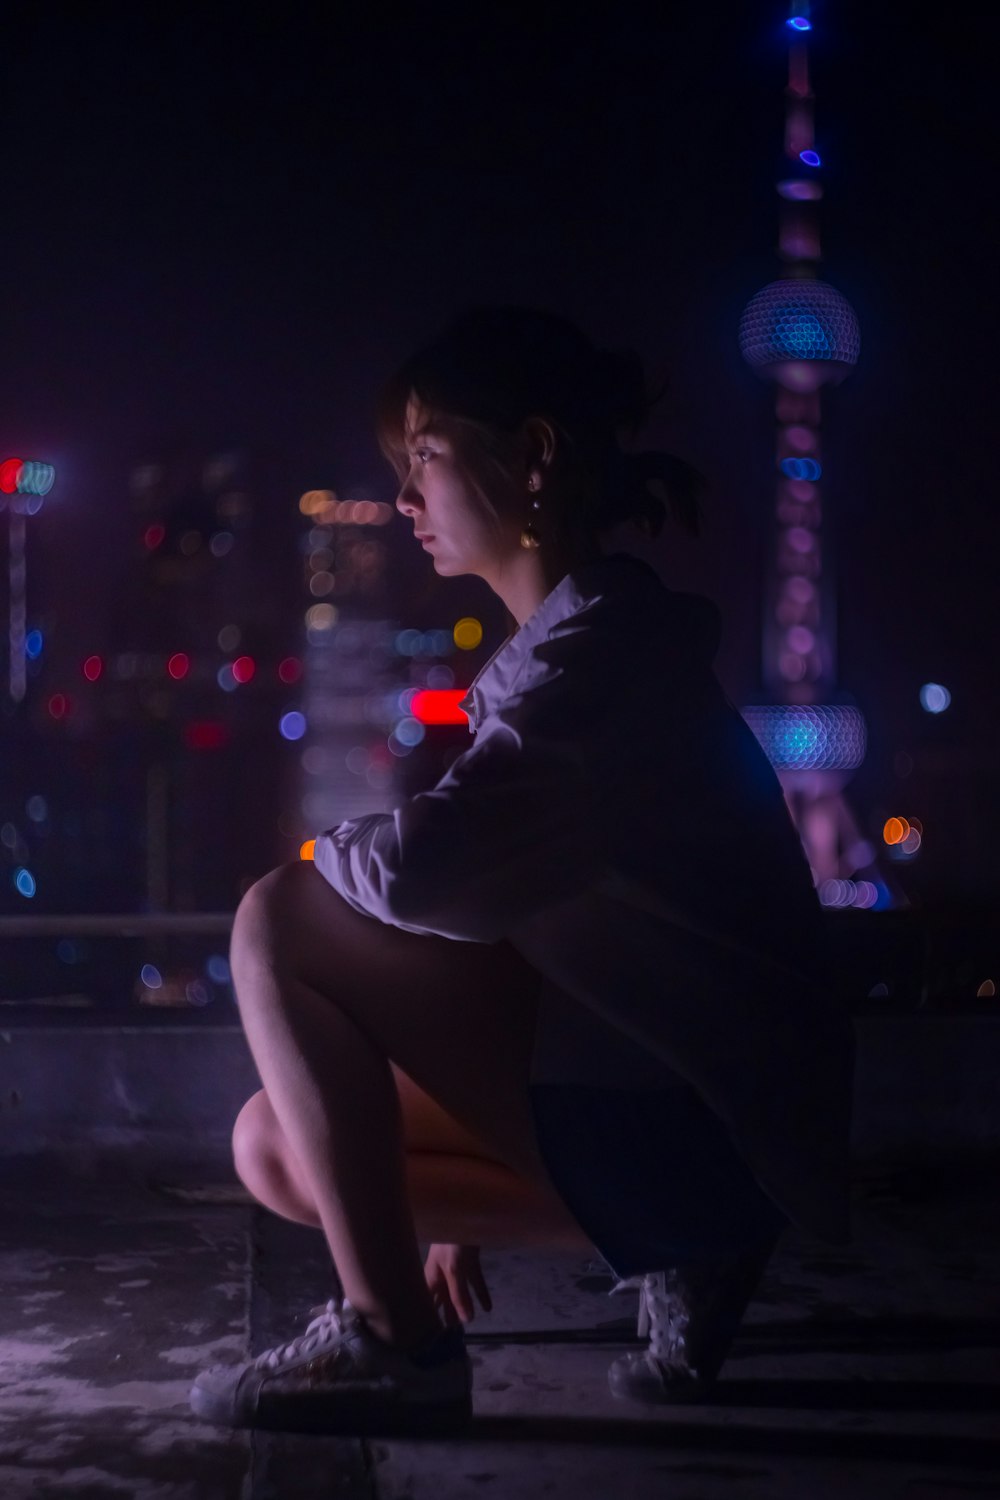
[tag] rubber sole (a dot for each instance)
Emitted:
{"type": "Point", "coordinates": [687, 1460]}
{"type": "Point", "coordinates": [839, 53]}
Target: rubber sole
{"type": "Point", "coordinates": [316, 1412]}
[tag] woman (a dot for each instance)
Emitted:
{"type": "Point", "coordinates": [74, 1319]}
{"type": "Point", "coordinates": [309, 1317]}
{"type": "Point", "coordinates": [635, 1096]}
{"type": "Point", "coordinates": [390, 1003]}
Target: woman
{"type": "Point", "coordinates": [570, 997]}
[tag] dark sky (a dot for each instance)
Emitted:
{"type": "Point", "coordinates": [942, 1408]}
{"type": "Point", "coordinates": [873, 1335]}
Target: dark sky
{"type": "Point", "coordinates": [225, 224]}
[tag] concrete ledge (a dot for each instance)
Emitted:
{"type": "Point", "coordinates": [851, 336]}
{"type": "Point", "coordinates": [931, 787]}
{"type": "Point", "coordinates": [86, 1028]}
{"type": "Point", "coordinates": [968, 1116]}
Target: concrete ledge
{"type": "Point", "coordinates": [924, 1085]}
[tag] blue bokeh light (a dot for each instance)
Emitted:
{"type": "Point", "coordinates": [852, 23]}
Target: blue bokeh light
{"type": "Point", "coordinates": [809, 737]}
{"type": "Point", "coordinates": [934, 698]}
{"type": "Point", "coordinates": [217, 969]}
{"type": "Point", "coordinates": [34, 644]}
{"type": "Point", "coordinates": [24, 882]}
{"type": "Point", "coordinates": [293, 725]}
{"type": "Point", "coordinates": [799, 23]}
{"type": "Point", "coordinates": [801, 468]}
{"type": "Point", "coordinates": [151, 976]}
{"type": "Point", "coordinates": [410, 731]}
{"type": "Point", "coordinates": [811, 158]}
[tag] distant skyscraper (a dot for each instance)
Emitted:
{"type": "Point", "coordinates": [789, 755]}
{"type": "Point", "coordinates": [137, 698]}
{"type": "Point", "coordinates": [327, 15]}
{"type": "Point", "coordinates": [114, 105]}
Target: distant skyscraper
{"type": "Point", "coordinates": [803, 334]}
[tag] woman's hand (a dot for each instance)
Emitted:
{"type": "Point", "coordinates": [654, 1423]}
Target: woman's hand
{"type": "Point", "coordinates": [453, 1273]}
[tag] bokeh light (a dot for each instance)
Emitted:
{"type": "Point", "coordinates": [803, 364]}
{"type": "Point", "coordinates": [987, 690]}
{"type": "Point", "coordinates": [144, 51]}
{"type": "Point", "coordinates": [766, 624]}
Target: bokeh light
{"type": "Point", "coordinates": [292, 725]}
{"type": "Point", "coordinates": [244, 668]}
{"type": "Point", "coordinates": [809, 737]}
{"type": "Point", "coordinates": [468, 633]}
{"type": "Point", "coordinates": [37, 809]}
{"type": "Point", "coordinates": [92, 668]}
{"type": "Point", "coordinates": [934, 698]}
{"type": "Point", "coordinates": [438, 707]}
{"type": "Point", "coordinates": [289, 670]}
{"type": "Point", "coordinates": [217, 968]}
{"type": "Point", "coordinates": [34, 644]}
{"type": "Point", "coordinates": [151, 976]}
{"type": "Point", "coordinates": [179, 665]}
{"type": "Point", "coordinates": [308, 849]}
{"type": "Point", "coordinates": [229, 637]}
{"type": "Point", "coordinates": [410, 731]}
{"type": "Point", "coordinates": [24, 882]}
{"type": "Point", "coordinates": [221, 543]}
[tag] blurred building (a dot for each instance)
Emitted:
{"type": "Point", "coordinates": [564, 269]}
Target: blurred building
{"type": "Point", "coordinates": [146, 769]}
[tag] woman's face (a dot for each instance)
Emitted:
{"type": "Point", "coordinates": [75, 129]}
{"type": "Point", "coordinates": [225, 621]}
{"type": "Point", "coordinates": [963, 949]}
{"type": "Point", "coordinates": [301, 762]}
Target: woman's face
{"type": "Point", "coordinates": [447, 512]}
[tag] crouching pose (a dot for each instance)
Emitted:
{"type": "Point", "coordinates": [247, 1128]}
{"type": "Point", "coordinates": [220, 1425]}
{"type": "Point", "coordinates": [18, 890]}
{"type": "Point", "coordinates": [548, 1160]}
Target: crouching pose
{"type": "Point", "coordinates": [570, 997]}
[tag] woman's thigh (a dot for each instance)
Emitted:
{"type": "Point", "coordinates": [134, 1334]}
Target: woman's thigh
{"type": "Point", "coordinates": [458, 1019]}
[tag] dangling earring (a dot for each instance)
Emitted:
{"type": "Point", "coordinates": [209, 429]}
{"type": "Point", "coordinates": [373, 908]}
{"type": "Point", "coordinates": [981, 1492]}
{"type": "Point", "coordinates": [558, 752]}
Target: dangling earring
{"type": "Point", "coordinates": [529, 536]}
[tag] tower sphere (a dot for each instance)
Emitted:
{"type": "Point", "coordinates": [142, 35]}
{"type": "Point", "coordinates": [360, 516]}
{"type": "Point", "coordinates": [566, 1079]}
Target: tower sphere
{"type": "Point", "coordinates": [800, 333]}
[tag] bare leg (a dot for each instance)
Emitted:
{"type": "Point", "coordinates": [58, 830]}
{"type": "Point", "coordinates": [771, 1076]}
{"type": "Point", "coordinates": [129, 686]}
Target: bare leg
{"type": "Point", "coordinates": [327, 997]}
{"type": "Point", "coordinates": [334, 1097]}
{"type": "Point", "coordinates": [455, 1198]}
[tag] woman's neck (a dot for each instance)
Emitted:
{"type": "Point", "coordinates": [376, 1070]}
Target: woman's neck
{"type": "Point", "coordinates": [529, 578]}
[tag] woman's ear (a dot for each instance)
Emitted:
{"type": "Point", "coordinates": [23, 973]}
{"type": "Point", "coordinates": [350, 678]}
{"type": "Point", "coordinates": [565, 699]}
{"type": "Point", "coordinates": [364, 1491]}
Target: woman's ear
{"type": "Point", "coordinates": [540, 442]}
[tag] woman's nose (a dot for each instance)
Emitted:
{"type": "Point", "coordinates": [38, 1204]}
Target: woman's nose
{"type": "Point", "coordinates": [408, 498]}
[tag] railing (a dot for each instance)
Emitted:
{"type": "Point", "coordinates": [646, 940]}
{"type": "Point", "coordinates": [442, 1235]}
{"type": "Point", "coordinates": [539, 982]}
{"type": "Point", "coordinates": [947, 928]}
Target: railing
{"type": "Point", "coordinates": [126, 924]}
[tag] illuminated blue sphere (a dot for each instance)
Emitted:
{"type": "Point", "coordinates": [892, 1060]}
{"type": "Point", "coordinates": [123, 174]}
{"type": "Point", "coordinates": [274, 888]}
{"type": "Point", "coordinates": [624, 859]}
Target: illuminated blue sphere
{"type": "Point", "coordinates": [797, 322]}
{"type": "Point", "coordinates": [809, 736]}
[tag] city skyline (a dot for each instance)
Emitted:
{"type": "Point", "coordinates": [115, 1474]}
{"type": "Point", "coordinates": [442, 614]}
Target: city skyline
{"type": "Point", "coordinates": [199, 264]}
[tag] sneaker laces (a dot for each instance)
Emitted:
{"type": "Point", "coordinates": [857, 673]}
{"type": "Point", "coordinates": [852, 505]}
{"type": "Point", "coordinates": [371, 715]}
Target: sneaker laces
{"type": "Point", "coordinates": [328, 1323]}
{"type": "Point", "coordinates": [663, 1313]}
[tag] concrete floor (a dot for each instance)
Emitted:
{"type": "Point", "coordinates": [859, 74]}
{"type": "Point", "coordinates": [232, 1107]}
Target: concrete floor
{"type": "Point", "coordinates": [871, 1371]}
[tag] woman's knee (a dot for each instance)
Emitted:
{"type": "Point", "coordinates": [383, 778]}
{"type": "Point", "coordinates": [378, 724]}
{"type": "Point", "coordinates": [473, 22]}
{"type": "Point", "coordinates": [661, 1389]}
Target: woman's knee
{"type": "Point", "coordinates": [256, 1145]}
{"type": "Point", "coordinates": [262, 915]}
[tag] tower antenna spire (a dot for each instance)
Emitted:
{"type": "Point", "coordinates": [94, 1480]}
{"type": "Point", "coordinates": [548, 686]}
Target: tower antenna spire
{"type": "Point", "coordinates": [802, 334]}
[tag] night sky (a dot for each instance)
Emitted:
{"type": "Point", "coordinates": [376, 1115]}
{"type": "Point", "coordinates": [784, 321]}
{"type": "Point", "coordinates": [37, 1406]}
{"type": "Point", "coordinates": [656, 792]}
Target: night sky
{"type": "Point", "coordinates": [224, 225]}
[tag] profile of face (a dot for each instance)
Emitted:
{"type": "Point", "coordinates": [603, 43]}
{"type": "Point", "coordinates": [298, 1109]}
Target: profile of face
{"type": "Point", "coordinates": [439, 495]}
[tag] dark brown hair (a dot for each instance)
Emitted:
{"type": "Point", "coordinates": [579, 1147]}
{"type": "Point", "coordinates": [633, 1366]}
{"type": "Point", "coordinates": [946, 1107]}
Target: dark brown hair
{"type": "Point", "coordinates": [494, 367]}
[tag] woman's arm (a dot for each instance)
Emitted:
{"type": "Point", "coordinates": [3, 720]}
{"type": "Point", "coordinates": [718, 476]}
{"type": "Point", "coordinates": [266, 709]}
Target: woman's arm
{"type": "Point", "coordinates": [513, 826]}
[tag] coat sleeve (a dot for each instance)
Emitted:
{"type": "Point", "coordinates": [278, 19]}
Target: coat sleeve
{"type": "Point", "coordinates": [510, 828]}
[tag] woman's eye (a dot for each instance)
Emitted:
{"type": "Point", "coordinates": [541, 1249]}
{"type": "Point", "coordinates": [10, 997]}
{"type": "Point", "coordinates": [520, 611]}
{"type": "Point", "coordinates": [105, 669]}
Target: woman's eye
{"type": "Point", "coordinates": [423, 454]}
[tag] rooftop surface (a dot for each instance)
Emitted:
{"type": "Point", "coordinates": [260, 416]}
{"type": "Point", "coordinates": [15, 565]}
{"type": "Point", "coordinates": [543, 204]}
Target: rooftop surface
{"type": "Point", "coordinates": [871, 1370]}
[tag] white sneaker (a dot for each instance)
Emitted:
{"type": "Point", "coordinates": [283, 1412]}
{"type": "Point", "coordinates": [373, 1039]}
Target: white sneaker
{"type": "Point", "coordinates": [691, 1314]}
{"type": "Point", "coordinates": [339, 1377]}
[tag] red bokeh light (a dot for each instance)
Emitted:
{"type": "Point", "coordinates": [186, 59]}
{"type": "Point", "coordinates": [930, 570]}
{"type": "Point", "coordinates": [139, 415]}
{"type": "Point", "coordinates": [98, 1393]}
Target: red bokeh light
{"type": "Point", "coordinates": [290, 670]}
{"type": "Point", "coordinates": [179, 665]}
{"type": "Point", "coordinates": [243, 668]}
{"type": "Point", "coordinates": [92, 668]}
{"type": "Point", "coordinates": [206, 734]}
{"type": "Point", "coordinates": [10, 473]}
{"type": "Point", "coordinates": [59, 706]}
{"type": "Point", "coordinates": [153, 535]}
{"type": "Point", "coordinates": [439, 706]}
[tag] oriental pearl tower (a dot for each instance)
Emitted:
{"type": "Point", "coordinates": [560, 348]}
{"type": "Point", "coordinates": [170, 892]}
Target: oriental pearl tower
{"type": "Point", "coordinates": [802, 334]}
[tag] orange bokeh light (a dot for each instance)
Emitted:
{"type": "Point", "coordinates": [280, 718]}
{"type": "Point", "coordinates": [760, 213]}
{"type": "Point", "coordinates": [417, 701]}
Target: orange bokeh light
{"type": "Point", "coordinates": [308, 849]}
{"type": "Point", "coordinates": [895, 830]}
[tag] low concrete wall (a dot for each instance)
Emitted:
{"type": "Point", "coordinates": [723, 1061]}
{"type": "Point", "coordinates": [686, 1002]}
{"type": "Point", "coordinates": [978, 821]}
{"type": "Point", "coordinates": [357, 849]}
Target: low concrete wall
{"type": "Point", "coordinates": [924, 1085]}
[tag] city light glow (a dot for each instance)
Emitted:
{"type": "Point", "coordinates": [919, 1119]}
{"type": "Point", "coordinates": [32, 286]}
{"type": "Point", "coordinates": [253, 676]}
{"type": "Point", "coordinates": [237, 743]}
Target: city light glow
{"type": "Point", "coordinates": [293, 725]}
{"type": "Point", "coordinates": [468, 633]}
{"type": "Point", "coordinates": [934, 698]}
{"type": "Point", "coordinates": [206, 734]}
{"type": "Point", "coordinates": [438, 706]}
